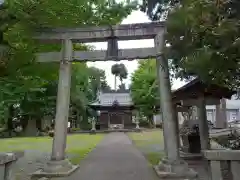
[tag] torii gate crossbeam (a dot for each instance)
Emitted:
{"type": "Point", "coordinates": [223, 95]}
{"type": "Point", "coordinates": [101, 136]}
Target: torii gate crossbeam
{"type": "Point", "coordinates": [101, 34]}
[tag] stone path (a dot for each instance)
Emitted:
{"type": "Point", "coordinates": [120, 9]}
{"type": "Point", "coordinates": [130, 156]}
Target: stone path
{"type": "Point", "coordinates": [115, 158]}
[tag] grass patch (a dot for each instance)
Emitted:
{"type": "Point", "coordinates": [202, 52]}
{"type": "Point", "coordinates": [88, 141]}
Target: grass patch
{"type": "Point", "coordinates": [154, 157]}
{"type": "Point", "coordinates": [78, 146]}
{"type": "Point", "coordinates": [147, 139]}
{"type": "Point", "coordinates": [23, 143]}
{"type": "Point", "coordinates": [78, 152]}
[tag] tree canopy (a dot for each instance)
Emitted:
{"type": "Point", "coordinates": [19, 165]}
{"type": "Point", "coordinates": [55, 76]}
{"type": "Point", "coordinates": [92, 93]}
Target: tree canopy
{"type": "Point", "coordinates": [33, 85]}
{"type": "Point", "coordinates": [119, 70]}
{"type": "Point", "coordinates": [204, 41]}
{"type": "Point", "coordinates": [144, 87]}
{"type": "Point", "coordinates": [203, 38]}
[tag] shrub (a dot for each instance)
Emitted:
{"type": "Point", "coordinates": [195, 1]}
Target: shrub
{"type": "Point", "coordinates": [51, 133]}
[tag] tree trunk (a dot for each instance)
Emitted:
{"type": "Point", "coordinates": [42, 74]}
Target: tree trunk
{"type": "Point", "coordinates": [10, 119]}
{"type": "Point", "coordinates": [31, 128]}
{"type": "Point", "coordinates": [150, 121]}
{"type": "Point", "coordinates": [39, 124]}
{"type": "Point", "coordinates": [115, 83]}
{"type": "Point", "coordinates": [78, 119]}
{"type": "Point", "coordinates": [46, 122]}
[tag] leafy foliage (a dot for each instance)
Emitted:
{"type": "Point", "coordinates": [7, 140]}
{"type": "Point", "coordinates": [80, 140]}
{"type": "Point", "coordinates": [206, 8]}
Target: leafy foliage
{"type": "Point", "coordinates": [158, 9]}
{"type": "Point", "coordinates": [144, 87]}
{"type": "Point", "coordinates": [123, 72]}
{"type": "Point", "coordinates": [119, 70]}
{"type": "Point", "coordinates": [204, 39]}
{"type": "Point", "coordinates": [31, 85]}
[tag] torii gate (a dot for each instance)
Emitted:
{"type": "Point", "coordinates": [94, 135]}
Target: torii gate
{"type": "Point", "coordinates": [59, 165]}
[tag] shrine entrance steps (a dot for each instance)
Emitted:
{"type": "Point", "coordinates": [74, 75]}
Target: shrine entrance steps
{"type": "Point", "coordinates": [115, 158]}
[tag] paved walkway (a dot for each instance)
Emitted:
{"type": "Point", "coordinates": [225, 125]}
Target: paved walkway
{"type": "Point", "coordinates": [115, 158]}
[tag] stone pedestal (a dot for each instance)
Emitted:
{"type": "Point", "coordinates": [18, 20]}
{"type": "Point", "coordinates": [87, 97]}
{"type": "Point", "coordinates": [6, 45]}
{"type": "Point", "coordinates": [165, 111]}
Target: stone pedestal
{"type": "Point", "coordinates": [137, 125]}
{"type": "Point", "coordinates": [93, 130]}
{"type": "Point", "coordinates": [55, 169]}
{"type": "Point", "coordinates": [175, 170]}
{"type": "Point", "coordinates": [7, 161]}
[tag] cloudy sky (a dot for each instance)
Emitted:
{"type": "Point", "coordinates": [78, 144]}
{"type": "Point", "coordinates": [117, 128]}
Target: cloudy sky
{"type": "Point", "coordinates": [135, 17]}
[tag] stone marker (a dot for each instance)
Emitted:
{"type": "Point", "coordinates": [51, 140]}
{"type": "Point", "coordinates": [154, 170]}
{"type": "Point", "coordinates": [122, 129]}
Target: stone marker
{"type": "Point", "coordinates": [7, 161]}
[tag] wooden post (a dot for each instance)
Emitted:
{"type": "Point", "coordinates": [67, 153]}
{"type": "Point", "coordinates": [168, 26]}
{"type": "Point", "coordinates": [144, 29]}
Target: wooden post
{"type": "Point", "coordinates": [221, 115]}
{"type": "Point", "coordinates": [203, 124]}
{"type": "Point", "coordinates": [176, 125]}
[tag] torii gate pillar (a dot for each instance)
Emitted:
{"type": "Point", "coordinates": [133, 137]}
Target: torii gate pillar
{"type": "Point", "coordinates": [59, 165]}
{"type": "Point", "coordinates": [171, 166]}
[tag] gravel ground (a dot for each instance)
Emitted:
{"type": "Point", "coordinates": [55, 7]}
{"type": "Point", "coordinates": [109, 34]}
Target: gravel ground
{"type": "Point", "coordinates": [31, 161]}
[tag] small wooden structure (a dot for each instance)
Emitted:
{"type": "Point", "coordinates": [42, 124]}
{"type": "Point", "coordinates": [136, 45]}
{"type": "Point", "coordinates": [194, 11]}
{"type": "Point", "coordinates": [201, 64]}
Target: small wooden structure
{"type": "Point", "coordinates": [199, 94]}
{"type": "Point", "coordinates": [192, 91]}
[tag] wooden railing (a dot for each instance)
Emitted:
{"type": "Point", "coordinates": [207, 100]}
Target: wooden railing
{"type": "Point", "coordinates": [223, 164]}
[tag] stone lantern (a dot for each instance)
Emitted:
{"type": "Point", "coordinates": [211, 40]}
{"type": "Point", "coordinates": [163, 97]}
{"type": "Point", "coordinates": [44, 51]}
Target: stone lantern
{"type": "Point", "coordinates": [93, 121]}
{"type": "Point", "coordinates": [137, 117]}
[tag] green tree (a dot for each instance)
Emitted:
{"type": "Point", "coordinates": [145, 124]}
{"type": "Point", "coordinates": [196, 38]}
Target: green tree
{"type": "Point", "coordinates": [203, 38]}
{"type": "Point", "coordinates": [20, 74]}
{"type": "Point", "coordinates": [119, 70]}
{"type": "Point", "coordinates": [144, 88]}
{"type": "Point", "coordinates": [115, 71]}
{"type": "Point", "coordinates": [98, 80]}
{"type": "Point", "coordinates": [123, 73]}
{"type": "Point", "coordinates": [205, 42]}
{"type": "Point", "coordinates": [86, 83]}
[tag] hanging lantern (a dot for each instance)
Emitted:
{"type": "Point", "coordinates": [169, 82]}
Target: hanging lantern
{"type": "Point", "coordinates": [112, 49]}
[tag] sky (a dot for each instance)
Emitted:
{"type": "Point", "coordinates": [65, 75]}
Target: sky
{"type": "Point", "coordinates": [135, 17]}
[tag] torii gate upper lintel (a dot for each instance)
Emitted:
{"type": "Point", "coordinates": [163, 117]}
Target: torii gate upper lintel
{"type": "Point", "coordinates": [102, 33]}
